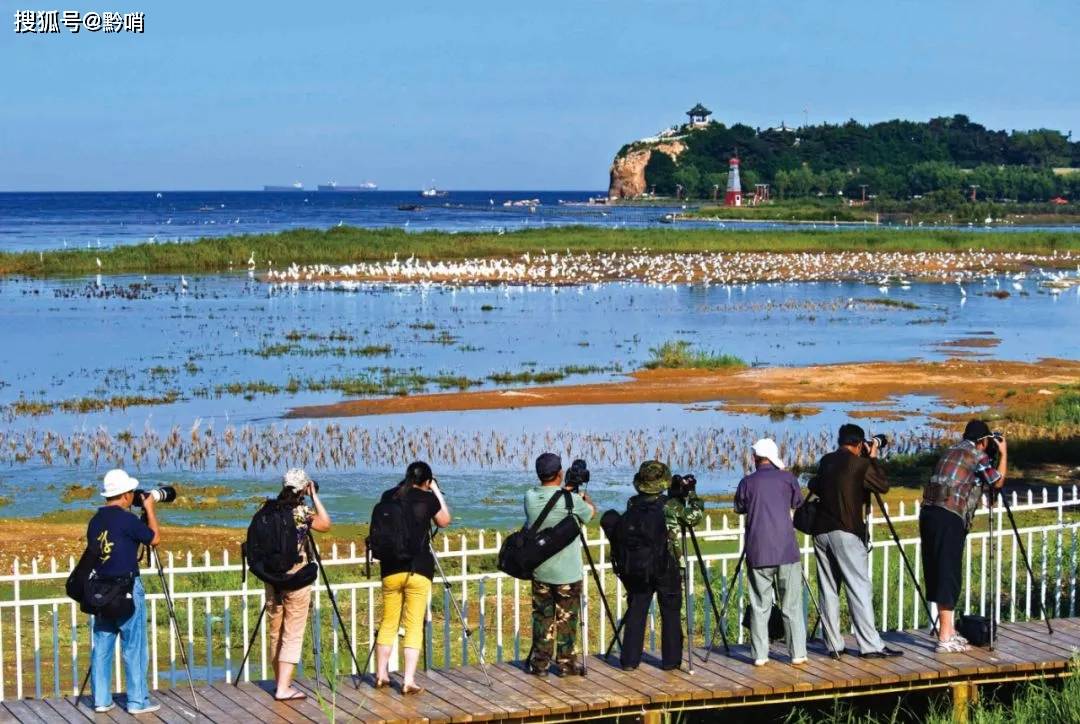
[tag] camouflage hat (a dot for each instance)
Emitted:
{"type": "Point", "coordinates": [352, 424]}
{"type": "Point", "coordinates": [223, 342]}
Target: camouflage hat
{"type": "Point", "coordinates": [652, 478]}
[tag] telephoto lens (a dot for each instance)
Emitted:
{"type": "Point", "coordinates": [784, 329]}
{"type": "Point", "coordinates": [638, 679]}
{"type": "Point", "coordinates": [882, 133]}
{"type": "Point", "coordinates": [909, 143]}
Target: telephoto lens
{"type": "Point", "coordinates": [882, 441]}
{"type": "Point", "coordinates": [164, 494]}
{"type": "Point", "coordinates": [578, 474]}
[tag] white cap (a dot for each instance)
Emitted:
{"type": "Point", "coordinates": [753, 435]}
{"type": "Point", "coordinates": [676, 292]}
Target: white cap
{"type": "Point", "coordinates": [296, 479]}
{"type": "Point", "coordinates": [766, 448]}
{"type": "Point", "coordinates": [117, 482]}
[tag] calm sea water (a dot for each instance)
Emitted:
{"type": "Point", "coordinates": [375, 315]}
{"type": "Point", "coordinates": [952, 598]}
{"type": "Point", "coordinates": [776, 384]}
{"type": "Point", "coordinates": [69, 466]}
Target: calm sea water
{"type": "Point", "coordinates": [38, 221]}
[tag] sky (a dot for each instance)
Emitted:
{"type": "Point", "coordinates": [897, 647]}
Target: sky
{"type": "Point", "coordinates": [491, 95]}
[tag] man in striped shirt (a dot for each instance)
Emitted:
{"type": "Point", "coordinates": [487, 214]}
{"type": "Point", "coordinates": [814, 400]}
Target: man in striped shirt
{"type": "Point", "coordinates": [950, 500]}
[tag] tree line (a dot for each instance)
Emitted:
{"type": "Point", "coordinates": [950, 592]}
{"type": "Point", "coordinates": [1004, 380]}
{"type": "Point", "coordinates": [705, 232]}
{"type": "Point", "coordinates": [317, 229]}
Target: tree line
{"type": "Point", "coordinates": [894, 159]}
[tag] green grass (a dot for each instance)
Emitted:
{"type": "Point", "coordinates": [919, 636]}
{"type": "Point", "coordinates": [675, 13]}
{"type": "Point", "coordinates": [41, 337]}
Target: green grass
{"type": "Point", "coordinates": [341, 245]}
{"type": "Point", "coordinates": [801, 210]}
{"type": "Point", "coordinates": [679, 355]}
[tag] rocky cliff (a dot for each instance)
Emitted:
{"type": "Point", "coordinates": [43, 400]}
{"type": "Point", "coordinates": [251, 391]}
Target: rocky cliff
{"type": "Point", "coordinates": [628, 171]}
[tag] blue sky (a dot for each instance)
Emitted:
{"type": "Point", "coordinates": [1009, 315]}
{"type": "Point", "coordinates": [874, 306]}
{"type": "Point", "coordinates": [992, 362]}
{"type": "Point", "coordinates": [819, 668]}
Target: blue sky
{"type": "Point", "coordinates": [525, 95]}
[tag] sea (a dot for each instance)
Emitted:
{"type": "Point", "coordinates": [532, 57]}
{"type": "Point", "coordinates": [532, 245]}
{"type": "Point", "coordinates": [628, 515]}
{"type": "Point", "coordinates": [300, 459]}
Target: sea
{"type": "Point", "coordinates": [56, 220]}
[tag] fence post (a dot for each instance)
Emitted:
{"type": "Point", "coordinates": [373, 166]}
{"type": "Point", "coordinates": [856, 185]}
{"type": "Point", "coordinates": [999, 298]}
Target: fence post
{"type": "Point", "coordinates": [18, 632]}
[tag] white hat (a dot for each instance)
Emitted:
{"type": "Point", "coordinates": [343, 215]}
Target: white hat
{"type": "Point", "coordinates": [296, 479]}
{"type": "Point", "coordinates": [117, 482]}
{"type": "Point", "coordinates": [766, 448]}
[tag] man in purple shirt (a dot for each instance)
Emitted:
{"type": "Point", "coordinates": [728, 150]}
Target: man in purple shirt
{"type": "Point", "coordinates": [767, 497]}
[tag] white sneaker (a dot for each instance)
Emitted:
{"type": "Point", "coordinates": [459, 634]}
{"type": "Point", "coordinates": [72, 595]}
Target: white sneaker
{"type": "Point", "coordinates": [800, 660]}
{"type": "Point", "coordinates": [761, 662]}
{"type": "Point", "coordinates": [103, 709]}
{"type": "Point", "coordinates": [961, 639]}
{"type": "Point", "coordinates": [148, 709]}
{"type": "Point", "coordinates": [951, 646]}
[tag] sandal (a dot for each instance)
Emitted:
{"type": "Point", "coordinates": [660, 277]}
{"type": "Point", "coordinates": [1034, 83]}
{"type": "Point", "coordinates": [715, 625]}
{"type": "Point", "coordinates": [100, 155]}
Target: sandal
{"type": "Point", "coordinates": [295, 696]}
{"type": "Point", "coordinates": [408, 689]}
{"type": "Point", "coordinates": [381, 683]}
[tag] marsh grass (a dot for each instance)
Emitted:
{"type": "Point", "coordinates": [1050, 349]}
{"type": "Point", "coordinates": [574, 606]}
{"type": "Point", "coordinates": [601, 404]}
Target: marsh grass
{"type": "Point", "coordinates": [680, 354]}
{"type": "Point", "coordinates": [344, 245]}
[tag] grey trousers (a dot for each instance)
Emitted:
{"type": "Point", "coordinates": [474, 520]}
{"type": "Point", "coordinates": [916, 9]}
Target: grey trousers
{"type": "Point", "coordinates": [842, 557]}
{"type": "Point", "coordinates": [763, 582]}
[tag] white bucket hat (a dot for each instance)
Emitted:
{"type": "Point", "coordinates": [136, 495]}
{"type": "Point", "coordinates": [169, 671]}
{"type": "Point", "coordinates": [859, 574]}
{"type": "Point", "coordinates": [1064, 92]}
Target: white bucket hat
{"type": "Point", "coordinates": [295, 479]}
{"type": "Point", "coordinates": [117, 482]}
{"type": "Point", "coordinates": [766, 448]}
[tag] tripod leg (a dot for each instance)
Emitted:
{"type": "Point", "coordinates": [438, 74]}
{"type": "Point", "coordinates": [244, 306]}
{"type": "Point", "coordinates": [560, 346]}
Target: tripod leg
{"type": "Point", "coordinates": [86, 679]}
{"type": "Point", "coordinates": [584, 603]}
{"type": "Point", "coordinates": [709, 591]}
{"type": "Point", "coordinates": [599, 584]}
{"type": "Point", "coordinates": [251, 643]}
{"type": "Point", "coordinates": [337, 611]}
{"type": "Point", "coordinates": [907, 564]}
{"type": "Point", "coordinates": [723, 609]}
{"type": "Point", "coordinates": [176, 628]}
{"type": "Point", "coordinates": [686, 573]}
{"type": "Point", "coordinates": [461, 616]}
{"type": "Point", "coordinates": [1027, 561]}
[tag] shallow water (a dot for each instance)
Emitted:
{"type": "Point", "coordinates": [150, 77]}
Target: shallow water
{"type": "Point", "coordinates": [66, 339]}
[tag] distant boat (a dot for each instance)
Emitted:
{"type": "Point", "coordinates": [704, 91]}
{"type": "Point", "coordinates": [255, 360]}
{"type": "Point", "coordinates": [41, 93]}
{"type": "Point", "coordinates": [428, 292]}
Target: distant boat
{"type": "Point", "coordinates": [335, 186]}
{"type": "Point", "coordinates": [433, 192]}
{"type": "Point", "coordinates": [297, 186]}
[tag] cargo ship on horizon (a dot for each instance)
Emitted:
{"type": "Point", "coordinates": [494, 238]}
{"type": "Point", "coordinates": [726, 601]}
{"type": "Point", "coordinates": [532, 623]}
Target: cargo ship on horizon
{"type": "Point", "coordinates": [297, 186]}
{"type": "Point", "coordinates": [335, 186]}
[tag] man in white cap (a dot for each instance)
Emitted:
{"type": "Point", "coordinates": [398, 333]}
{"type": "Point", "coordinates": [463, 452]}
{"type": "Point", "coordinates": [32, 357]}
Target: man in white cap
{"type": "Point", "coordinates": [114, 535]}
{"type": "Point", "coordinates": [766, 497]}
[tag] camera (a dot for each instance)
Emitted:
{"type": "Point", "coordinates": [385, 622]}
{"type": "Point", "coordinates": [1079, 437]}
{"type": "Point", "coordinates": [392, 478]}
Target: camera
{"type": "Point", "coordinates": [577, 475]}
{"type": "Point", "coordinates": [682, 486]}
{"type": "Point", "coordinates": [992, 448]}
{"type": "Point", "coordinates": [164, 494]}
{"type": "Point", "coordinates": [882, 442]}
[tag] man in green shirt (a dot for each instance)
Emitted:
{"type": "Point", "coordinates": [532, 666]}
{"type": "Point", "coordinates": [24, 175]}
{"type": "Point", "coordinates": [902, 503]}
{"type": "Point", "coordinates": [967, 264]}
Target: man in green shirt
{"type": "Point", "coordinates": [556, 585]}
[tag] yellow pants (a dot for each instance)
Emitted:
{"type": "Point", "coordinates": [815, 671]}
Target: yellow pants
{"type": "Point", "coordinates": [410, 591]}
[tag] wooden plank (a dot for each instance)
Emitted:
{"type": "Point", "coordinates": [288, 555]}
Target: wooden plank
{"type": "Point", "coordinates": [682, 684]}
{"type": "Point", "coordinates": [354, 703]}
{"type": "Point", "coordinates": [1020, 643]}
{"type": "Point", "coordinates": [292, 710]}
{"type": "Point", "coordinates": [641, 686]}
{"type": "Point", "coordinates": [529, 696]}
{"type": "Point", "coordinates": [174, 711]}
{"type": "Point", "coordinates": [482, 708]}
{"type": "Point", "coordinates": [567, 689]}
{"type": "Point", "coordinates": [209, 712]}
{"type": "Point", "coordinates": [68, 712]}
{"type": "Point", "coordinates": [728, 679]}
{"type": "Point", "coordinates": [259, 708]}
{"type": "Point", "coordinates": [379, 703]}
{"type": "Point", "coordinates": [234, 710]}
{"type": "Point", "coordinates": [44, 711]}
{"type": "Point", "coordinates": [919, 650]}
{"type": "Point", "coordinates": [601, 671]}
{"type": "Point", "coordinates": [17, 710]}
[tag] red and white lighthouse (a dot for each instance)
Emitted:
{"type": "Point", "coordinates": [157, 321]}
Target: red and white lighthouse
{"type": "Point", "coordinates": [733, 195]}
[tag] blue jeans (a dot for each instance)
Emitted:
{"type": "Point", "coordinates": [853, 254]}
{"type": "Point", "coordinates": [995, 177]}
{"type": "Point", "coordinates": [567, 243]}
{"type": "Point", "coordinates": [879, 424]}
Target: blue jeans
{"type": "Point", "coordinates": [132, 648]}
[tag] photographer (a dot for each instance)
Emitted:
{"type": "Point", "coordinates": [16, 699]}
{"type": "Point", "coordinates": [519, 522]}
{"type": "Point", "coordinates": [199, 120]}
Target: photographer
{"type": "Point", "coordinates": [287, 610]}
{"type": "Point", "coordinates": [113, 537]}
{"type": "Point", "coordinates": [556, 584]}
{"type": "Point", "coordinates": [406, 581]}
{"type": "Point", "coordinates": [950, 500]}
{"type": "Point", "coordinates": [844, 481]}
{"type": "Point", "coordinates": [659, 518]}
{"type": "Point", "coordinates": [766, 497]}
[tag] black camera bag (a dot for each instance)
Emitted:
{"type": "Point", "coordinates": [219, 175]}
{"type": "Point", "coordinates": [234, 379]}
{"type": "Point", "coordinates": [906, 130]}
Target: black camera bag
{"type": "Point", "coordinates": [76, 584]}
{"type": "Point", "coordinates": [978, 630]}
{"type": "Point", "coordinates": [776, 621]}
{"type": "Point", "coordinates": [110, 597]}
{"type": "Point", "coordinates": [525, 549]}
{"type": "Point", "coordinates": [805, 517]}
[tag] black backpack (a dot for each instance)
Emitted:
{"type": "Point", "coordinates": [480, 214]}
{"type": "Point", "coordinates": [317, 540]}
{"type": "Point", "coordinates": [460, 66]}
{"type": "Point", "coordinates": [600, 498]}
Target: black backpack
{"type": "Point", "coordinates": [390, 537]}
{"type": "Point", "coordinates": [640, 545]}
{"type": "Point", "coordinates": [271, 550]}
{"type": "Point", "coordinates": [523, 550]}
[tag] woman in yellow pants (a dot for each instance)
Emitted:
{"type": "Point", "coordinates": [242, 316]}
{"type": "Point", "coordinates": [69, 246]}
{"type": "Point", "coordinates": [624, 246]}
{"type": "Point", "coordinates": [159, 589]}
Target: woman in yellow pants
{"type": "Point", "coordinates": [406, 583]}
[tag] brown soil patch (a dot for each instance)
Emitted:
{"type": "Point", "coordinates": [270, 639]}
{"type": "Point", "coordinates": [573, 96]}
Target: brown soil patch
{"type": "Point", "coordinates": [977, 342]}
{"type": "Point", "coordinates": [957, 381]}
{"type": "Point", "coordinates": [887, 415]}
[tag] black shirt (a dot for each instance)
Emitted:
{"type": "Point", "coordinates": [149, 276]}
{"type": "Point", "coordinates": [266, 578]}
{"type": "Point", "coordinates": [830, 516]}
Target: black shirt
{"type": "Point", "coordinates": [844, 482]}
{"type": "Point", "coordinates": [116, 534]}
{"type": "Point", "coordinates": [424, 507]}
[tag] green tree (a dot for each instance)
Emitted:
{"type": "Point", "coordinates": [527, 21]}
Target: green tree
{"type": "Point", "coordinates": [660, 174]}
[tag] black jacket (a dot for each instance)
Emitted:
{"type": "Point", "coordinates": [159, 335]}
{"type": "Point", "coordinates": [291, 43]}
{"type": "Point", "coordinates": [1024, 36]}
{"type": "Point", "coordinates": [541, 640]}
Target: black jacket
{"type": "Point", "coordinates": [844, 482]}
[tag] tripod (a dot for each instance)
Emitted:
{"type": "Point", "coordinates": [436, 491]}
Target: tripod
{"type": "Point", "coordinates": [708, 587]}
{"type": "Point", "coordinates": [722, 615]}
{"type": "Point", "coordinates": [1023, 555]}
{"type": "Point", "coordinates": [907, 564]}
{"type": "Point", "coordinates": [176, 625]}
{"type": "Point", "coordinates": [603, 596]}
{"type": "Point", "coordinates": [466, 631]}
{"type": "Point", "coordinates": [314, 548]}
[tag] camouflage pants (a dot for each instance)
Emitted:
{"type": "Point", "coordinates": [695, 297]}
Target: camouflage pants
{"type": "Point", "coordinates": [556, 611]}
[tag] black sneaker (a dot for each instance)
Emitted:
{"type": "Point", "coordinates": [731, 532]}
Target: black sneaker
{"type": "Point", "coordinates": [628, 667]}
{"type": "Point", "coordinates": [884, 653]}
{"type": "Point", "coordinates": [572, 670]}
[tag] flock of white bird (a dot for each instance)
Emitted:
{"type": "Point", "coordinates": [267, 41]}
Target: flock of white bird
{"type": "Point", "coordinates": [553, 268]}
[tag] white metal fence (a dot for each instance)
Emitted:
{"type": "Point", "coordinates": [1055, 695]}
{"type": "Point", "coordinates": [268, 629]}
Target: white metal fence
{"type": "Point", "coordinates": [45, 641]}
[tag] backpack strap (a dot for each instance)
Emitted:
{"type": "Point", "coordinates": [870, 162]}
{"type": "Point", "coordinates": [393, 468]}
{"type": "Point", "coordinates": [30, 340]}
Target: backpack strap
{"type": "Point", "coordinates": [547, 509]}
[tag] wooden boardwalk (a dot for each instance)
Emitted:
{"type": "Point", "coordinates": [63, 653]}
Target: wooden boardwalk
{"type": "Point", "coordinates": [1024, 651]}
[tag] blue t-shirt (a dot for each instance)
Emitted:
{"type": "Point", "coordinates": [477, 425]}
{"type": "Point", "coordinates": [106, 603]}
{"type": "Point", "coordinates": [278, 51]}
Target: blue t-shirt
{"type": "Point", "coordinates": [117, 534]}
{"type": "Point", "coordinates": [767, 498]}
